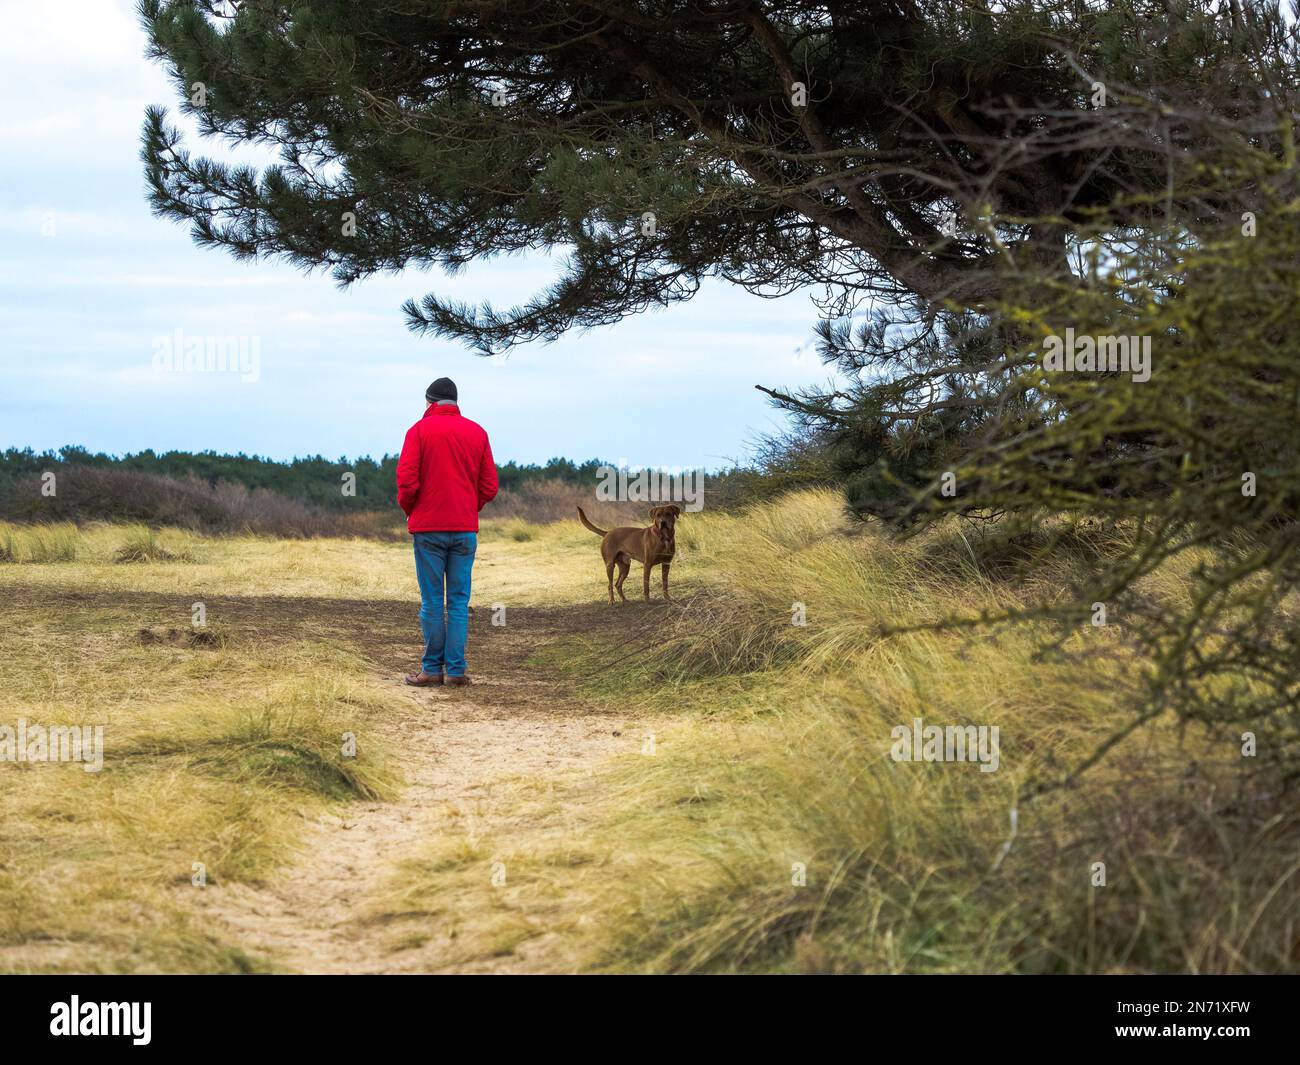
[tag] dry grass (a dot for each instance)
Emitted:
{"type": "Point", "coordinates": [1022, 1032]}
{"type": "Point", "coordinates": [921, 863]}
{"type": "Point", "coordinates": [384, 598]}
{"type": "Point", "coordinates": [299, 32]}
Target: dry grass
{"type": "Point", "coordinates": [785, 759]}
{"type": "Point", "coordinates": [552, 564]}
{"type": "Point", "coordinates": [144, 545]}
{"type": "Point", "coordinates": [768, 829]}
{"type": "Point", "coordinates": [766, 752]}
{"type": "Point", "coordinates": [39, 543]}
{"type": "Point", "coordinates": [98, 862]}
{"type": "Point", "coordinates": [218, 741]}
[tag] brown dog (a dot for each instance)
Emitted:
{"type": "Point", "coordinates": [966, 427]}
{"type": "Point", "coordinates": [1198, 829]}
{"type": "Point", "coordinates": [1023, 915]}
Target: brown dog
{"type": "Point", "coordinates": [651, 547]}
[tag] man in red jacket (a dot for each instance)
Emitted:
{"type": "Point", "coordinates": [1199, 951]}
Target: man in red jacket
{"type": "Point", "coordinates": [444, 478]}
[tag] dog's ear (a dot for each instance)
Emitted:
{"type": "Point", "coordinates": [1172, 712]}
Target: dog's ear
{"type": "Point", "coordinates": [678, 510]}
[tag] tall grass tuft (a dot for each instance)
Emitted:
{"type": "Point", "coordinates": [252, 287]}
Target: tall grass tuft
{"type": "Point", "coordinates": [142, 544]}
{"type": "Point", "coordinates": [39, 543]}
{"type": "Point", "coordinates": [775, 832]}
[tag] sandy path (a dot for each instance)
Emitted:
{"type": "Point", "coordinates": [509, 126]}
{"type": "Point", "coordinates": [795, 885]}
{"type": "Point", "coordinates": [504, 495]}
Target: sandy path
{"type": "Point", "coordinates": [456, 748]}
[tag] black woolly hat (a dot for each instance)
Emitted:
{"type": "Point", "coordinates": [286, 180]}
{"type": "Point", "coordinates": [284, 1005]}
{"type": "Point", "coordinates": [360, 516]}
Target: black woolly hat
{"type": "Point", "coordinates": [443, 388]}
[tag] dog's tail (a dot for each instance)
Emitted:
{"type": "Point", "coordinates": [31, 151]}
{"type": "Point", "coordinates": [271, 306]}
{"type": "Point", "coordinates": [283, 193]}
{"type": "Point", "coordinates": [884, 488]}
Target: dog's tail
{"type": "Point", "coordinates": [593, 528]}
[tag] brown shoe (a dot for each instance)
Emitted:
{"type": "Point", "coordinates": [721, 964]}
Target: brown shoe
{"type": "Point", "coordinates": [423, 679]}
{"type": "Point", "coordinates": [458, 682]}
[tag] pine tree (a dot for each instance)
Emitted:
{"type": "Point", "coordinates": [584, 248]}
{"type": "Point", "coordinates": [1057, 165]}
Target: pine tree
{"type": "Point", "coordinates": [884, 151]}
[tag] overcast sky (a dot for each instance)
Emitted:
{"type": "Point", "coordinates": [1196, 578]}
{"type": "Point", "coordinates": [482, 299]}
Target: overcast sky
{"type": "Point", "coordinates": [90, 280]}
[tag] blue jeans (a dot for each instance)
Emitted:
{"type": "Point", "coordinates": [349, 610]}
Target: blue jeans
{"type": "Point", "coordinates": [444, 559]}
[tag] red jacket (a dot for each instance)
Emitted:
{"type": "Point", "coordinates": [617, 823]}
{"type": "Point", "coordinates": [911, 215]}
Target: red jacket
{"type": "Point", "coordinates": [446, 473]}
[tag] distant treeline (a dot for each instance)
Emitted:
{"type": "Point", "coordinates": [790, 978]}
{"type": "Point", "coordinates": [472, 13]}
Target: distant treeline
{"type": "Point", "coordinates": [314, 479]}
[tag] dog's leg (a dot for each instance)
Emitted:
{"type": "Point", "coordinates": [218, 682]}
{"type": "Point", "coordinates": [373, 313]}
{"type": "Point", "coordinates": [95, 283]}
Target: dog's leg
{"type": "Point", "coordinates": [646, 582]}
{"type": "Point", "coordinates": [624, 568]}
{"type": "Point", "coordinates": [663, 574]}
{"type": "Point", "coordinates": [609, 573]}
